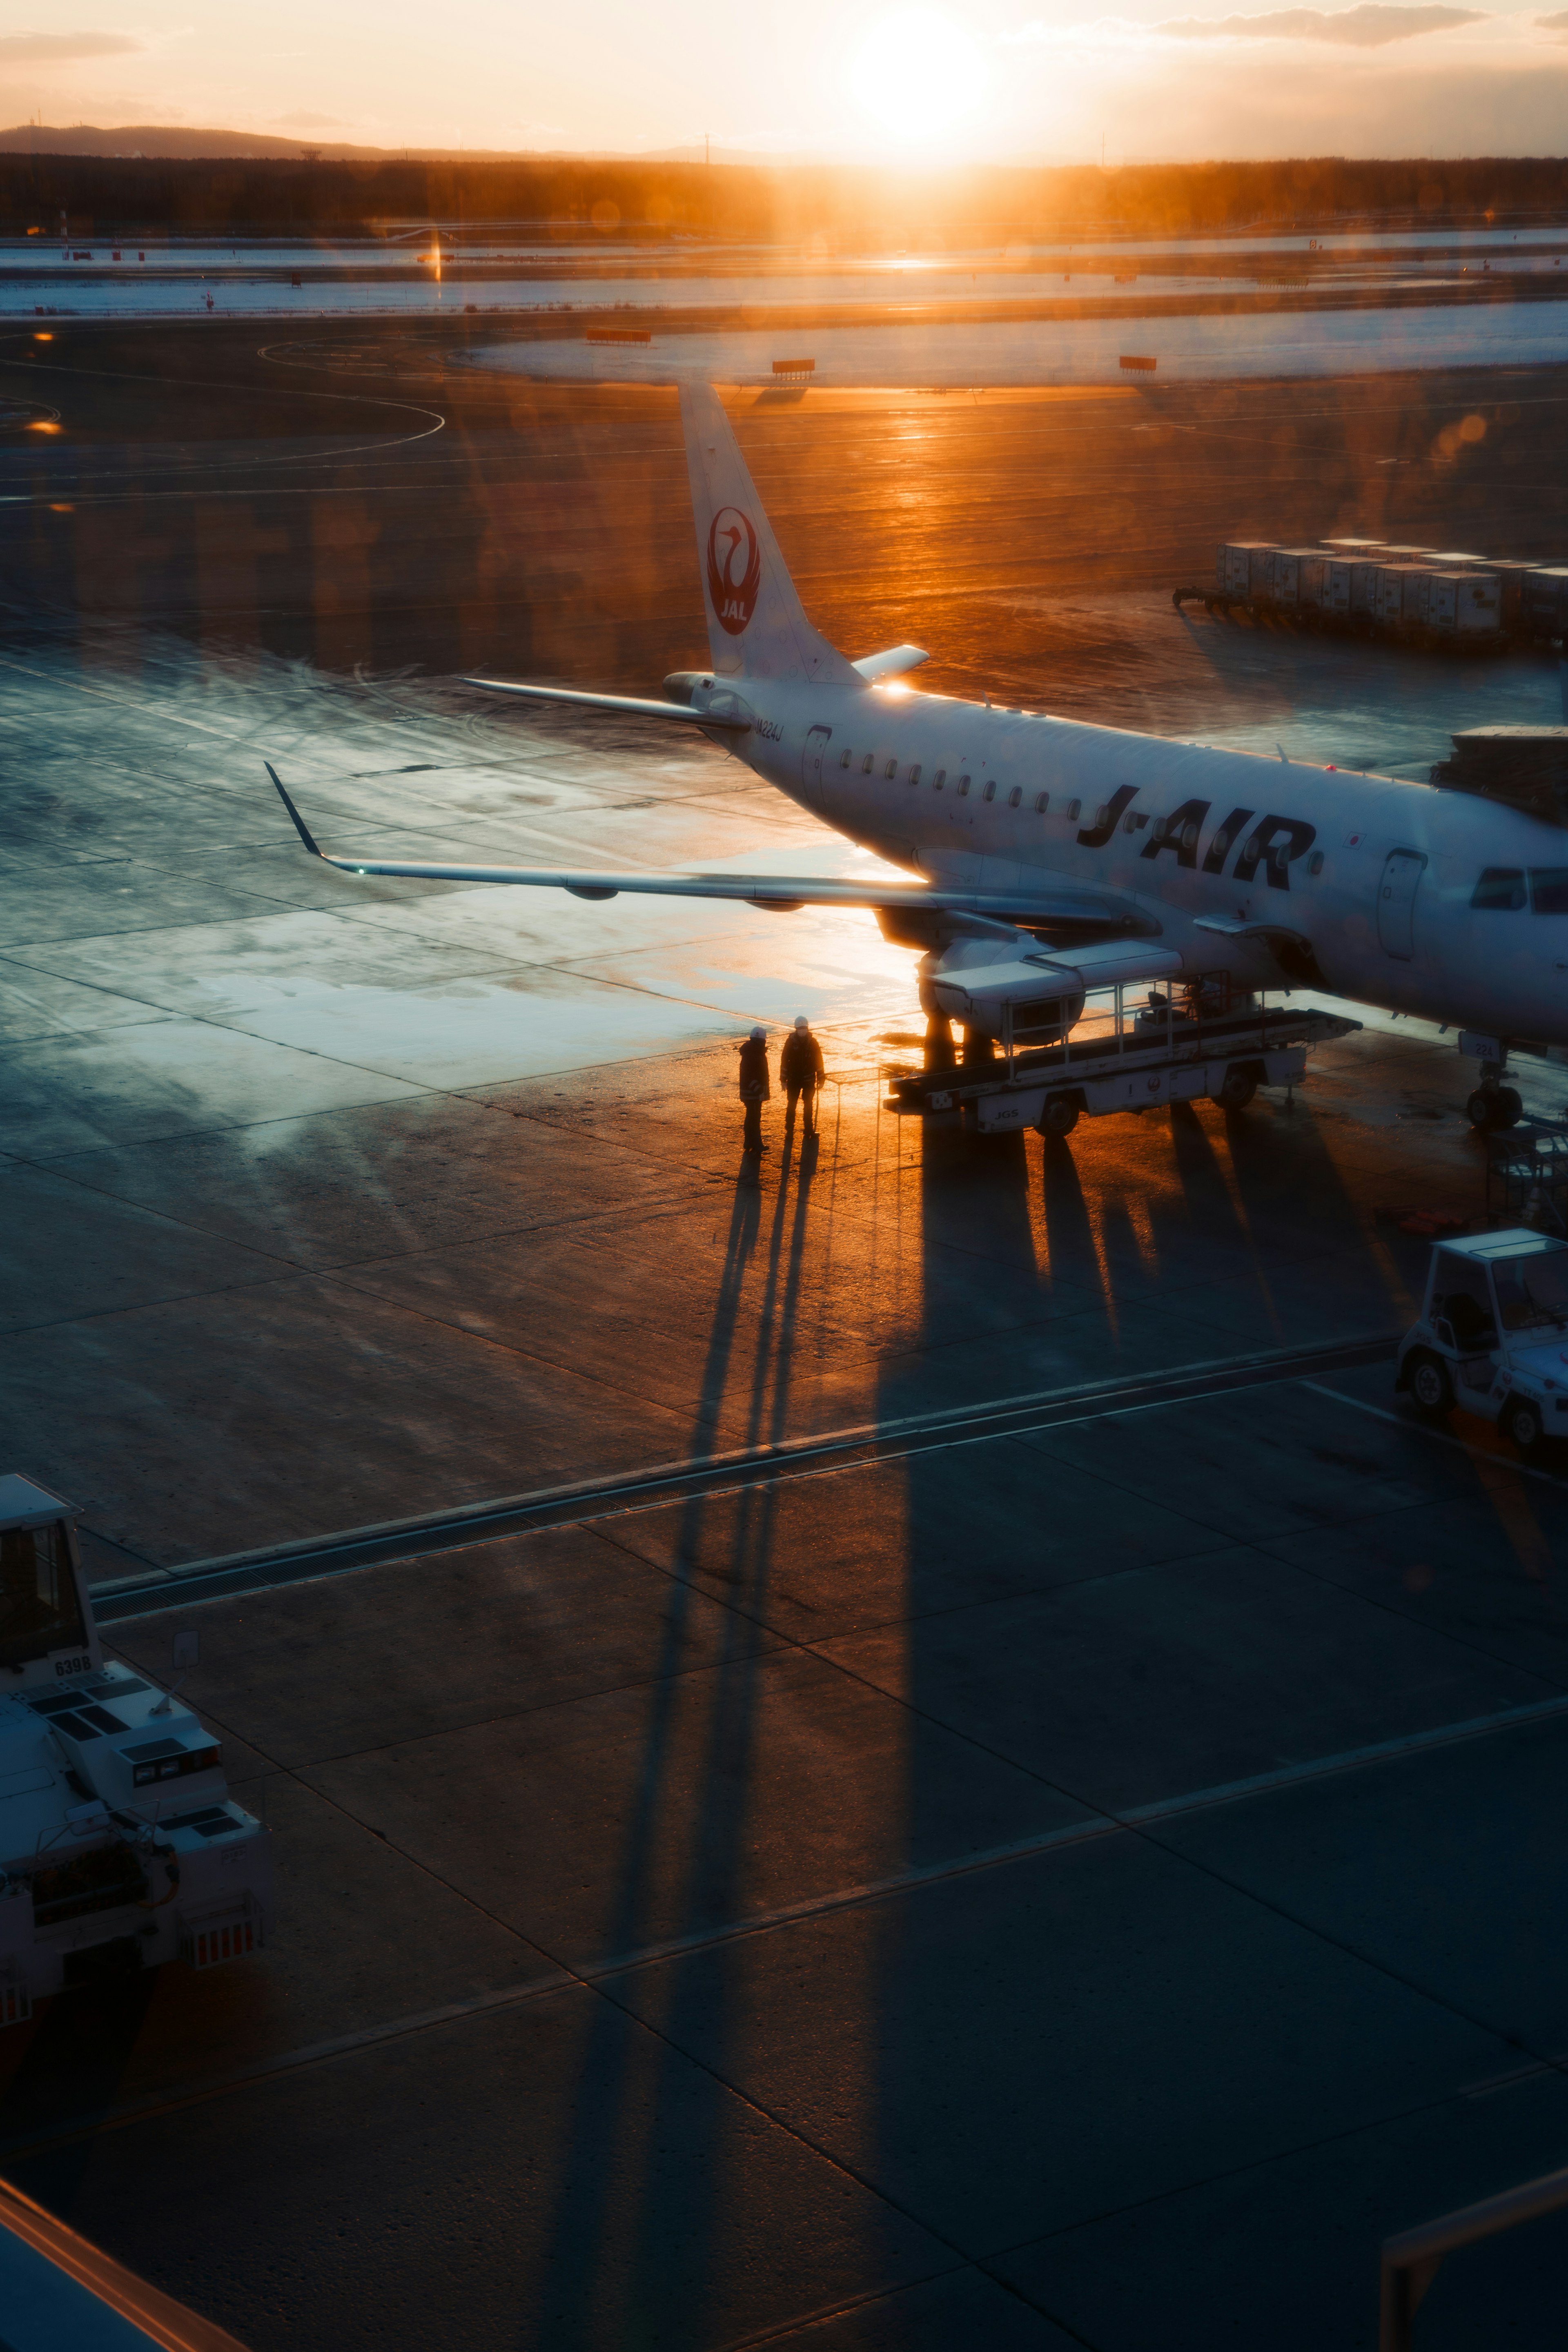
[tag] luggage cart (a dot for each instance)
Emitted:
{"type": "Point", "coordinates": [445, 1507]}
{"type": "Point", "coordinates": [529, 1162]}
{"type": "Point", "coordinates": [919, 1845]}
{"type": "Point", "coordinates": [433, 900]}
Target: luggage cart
{"type": "Point", "coordinates": [1132, 1048]}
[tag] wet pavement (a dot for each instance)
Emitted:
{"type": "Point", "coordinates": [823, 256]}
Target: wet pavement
{"type": "Point", "coordinates": [1080, 1885]}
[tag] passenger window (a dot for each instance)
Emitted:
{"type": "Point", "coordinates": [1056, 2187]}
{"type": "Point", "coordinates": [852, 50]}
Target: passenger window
{"type": "Point", "coordinates": [865, 764]}
{"type": "Point", "coordinates": [891, 770]}
{"type": "Point", "coordinates": [845, 760]}
{"type": "Point", "coordinates": [1315, 863]}
{"type": "Point", "coordinates": [1501, 887]}
{"type": "Point", "coordinates": [914, 776]}
{"type": "Point", "coordinates": [1016, 797]}
{"type": "Point", "coordinates": [938, 781]}
{"type": "Point", "coordinates": [1073, 811]}
{"type": "Point", "coordinates": [1042, 804]}
{"type": "Point", "coordinates": [962, 786]}
{"type": "Point", "coordinates": [1549, 890]}
{"type": "Point", "coordinates": [989, 794]}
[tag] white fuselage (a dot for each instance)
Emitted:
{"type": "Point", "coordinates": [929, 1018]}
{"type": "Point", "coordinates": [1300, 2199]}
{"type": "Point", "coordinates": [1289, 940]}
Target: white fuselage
{"type": "Point", "coordinates": [1377, 874]}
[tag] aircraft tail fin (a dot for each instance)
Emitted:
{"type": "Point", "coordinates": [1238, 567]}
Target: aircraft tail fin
{"type": "Point", "coordinates": [756, 627]}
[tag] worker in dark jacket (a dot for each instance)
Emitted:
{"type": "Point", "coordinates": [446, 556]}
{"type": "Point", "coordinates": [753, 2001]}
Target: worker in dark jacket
{"type": "Point", "coordinates": [754, 1088]}
{"type": "Point", "coordinates": [801, 1073]}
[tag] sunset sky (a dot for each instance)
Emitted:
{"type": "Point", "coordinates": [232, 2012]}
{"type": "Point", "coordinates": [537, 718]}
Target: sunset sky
{"type": "Point", "coordinates": [1040, 80]}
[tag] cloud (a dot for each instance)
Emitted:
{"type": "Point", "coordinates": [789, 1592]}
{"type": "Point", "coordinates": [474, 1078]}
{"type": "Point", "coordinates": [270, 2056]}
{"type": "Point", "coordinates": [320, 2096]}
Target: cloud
{"type": "Point", "coordinates": [60, 48]}
{"type": "Point", "coordinates": [1558, 23]}
{"type": "Point", "coordinates": [1370, 26]}
{"type": "Point", "coordinates": [305, 121]}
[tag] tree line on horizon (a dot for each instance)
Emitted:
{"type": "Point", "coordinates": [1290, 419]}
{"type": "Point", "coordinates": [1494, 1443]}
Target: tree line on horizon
{"type": "Point", "coordinates": [581, 199]}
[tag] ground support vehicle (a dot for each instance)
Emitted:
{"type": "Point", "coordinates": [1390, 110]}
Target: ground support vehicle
{"type": "Point", "coordinates": [120, 1844]}
{"type": "Point", "coordinates": [1493, 1334]}
{"type": "Point", "coordinates": [1131, 1050]}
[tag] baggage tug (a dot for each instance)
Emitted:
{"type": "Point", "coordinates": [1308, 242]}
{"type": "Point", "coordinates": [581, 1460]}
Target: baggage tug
{"type": "Point", "coordinates": [120, 1844]}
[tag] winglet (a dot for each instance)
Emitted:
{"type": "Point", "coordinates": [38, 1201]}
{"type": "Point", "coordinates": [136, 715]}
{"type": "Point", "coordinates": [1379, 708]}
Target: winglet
{"type": "Point", "coordinates": [300, 827]}
{"type": "Point", "coordinates": [891, 664]}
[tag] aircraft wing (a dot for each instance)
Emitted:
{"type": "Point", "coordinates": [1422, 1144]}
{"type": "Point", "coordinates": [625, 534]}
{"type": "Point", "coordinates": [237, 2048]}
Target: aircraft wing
{"type": "Point", "coordinates": [624, 706]}
{"type": "Point", "coordinates": [1051, 906]}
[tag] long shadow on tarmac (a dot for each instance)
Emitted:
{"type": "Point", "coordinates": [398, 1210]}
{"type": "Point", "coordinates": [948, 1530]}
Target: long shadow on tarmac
{"type": "Point", "coordinates": [769, 1240]}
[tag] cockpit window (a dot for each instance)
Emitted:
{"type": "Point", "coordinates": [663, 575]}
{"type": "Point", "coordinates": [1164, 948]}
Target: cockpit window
{"type": "Point", "coordinates": [1532, 1292]}
{"type": "Point", "coordinates": [1500, 889]}
{"type": "Point", "coordinates": [39, 1611]}
{"type": "Point", "coordinates": [1549, 890]}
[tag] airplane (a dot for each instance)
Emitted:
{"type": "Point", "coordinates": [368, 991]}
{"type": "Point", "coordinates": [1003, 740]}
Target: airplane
{"type": "Point", "coordinates": [1048, 857]}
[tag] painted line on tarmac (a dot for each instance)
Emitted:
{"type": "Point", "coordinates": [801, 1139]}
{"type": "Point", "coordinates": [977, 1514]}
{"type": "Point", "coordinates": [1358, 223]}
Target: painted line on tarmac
{"type": "Point", "coordinates": [1511, 1462]}
{"type": "Point", "coordinates": [568, 1976]}
{"type": "Point", "coordinates": [143, 1594]}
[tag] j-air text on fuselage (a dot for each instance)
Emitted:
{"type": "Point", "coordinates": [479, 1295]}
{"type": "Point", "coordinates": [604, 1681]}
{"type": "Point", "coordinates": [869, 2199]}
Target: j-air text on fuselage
{"type": "Point", "coordinates": [1052, 857]}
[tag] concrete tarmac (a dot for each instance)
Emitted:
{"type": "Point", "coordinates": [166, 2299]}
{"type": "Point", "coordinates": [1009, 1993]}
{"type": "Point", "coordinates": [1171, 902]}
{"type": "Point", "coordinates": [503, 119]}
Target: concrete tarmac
{"type": "Point", "coordinates": [1084, 1884]}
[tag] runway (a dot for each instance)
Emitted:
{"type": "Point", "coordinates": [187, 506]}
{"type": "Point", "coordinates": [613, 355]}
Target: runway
{"type": "Point", "coordinates": [911, 1751]}
{"type": "Point", "coordinates": [1086, 351]}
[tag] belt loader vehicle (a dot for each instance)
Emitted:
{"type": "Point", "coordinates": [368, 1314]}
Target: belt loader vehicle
{"type": "Point", "coordinates": [120, 1844]}
{"type": "Point", "coordinates": [1070, 1048]}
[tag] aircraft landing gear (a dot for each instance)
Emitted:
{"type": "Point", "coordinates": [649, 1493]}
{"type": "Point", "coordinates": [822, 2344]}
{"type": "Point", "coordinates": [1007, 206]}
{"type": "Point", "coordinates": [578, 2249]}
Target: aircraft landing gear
{"type": "Point", "coordinates": [979, 1050]}
{"type": "Point", "coordinates": [939, 1052]}
{"type": "Point", "coordinates": [1493, 1104]}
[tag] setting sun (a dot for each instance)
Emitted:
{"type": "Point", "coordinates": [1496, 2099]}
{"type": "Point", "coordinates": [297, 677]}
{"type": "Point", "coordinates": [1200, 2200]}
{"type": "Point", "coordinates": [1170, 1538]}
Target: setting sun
{"type": "Point", "coordinates": [918, 74]}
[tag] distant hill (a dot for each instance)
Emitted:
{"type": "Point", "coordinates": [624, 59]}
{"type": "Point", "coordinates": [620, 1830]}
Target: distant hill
{"type": "Point", "coordinates": [161, 141]}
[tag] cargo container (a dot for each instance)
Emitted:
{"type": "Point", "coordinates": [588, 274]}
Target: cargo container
{"type": "Point", "coordinates": [1261, 574]}
{"type": "Point", "coordinates": [1415, 594]}
{"type": "Point", "coordinates": [1233, 565]}
{"type": "Point", "coordinates": [1311, 566]}
{"type": "Point", "coordinates": [1364, 590]}
{"type": "Point", "coordinates": [1389, 606]}
{"type": "Point", "coordinates": [1335, 595]}
{"type": "Point", "coordinates": [1284, 579]}
{"type": "Point", "coordinates": [1479, 603]}
{"type": "Point", "coordinates": [1442, 603]}
{"type": "Point", "coordinates": [1394, 588]}
{"type": "Point", "coordinates": [1510, 578]}
{"type": "Point", "coordinates": [1543, 602]}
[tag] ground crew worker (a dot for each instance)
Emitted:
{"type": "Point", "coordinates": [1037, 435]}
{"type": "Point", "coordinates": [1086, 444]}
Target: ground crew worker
{"type": "Point", "coordinates": [801, 1073]}
{"type": "Point", "coordinates": [754, 1088]}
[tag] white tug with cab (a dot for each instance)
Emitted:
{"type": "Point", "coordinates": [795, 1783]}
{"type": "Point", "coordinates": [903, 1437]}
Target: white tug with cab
{"type": "Point", "coordinates": [120, 1844]}
{"type": "Point", "coordinates": [1493, 1334]}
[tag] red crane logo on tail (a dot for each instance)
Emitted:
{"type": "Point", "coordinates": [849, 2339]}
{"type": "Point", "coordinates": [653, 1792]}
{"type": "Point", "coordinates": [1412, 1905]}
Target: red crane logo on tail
{"type": "Point", "coordinates": [734, 569]}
